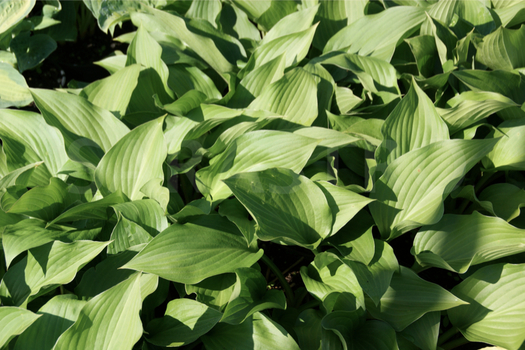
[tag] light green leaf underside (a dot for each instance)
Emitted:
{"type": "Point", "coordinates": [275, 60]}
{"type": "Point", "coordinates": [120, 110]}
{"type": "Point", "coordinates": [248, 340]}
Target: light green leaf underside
{"type": "Point", "coordinates": [286, 206]}
{"type": "Point", "coordinates": [411, 191]}
{"type": "Point", "coordinates": [192, 252]}
{"type": "Point", "coordinates": [460, 241]}
{"type": "Point", "coordinates": [496, 313]}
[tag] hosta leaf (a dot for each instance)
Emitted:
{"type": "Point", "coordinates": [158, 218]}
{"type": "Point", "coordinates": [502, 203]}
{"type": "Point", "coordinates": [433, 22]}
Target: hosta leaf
{"type": "Point", "coordinates": [113, 93]}
{"type": "Point", "coordinates": [266, 13]}
{"type": "Point", "coordinates": [31, 50]}
{"type": "Point", "coordinates": [506, 200]}
{"type": "Point", "coordinates": [28, 139]}
{"type": "Point", "coordinates": [127, 234]}
{"type": "Point", "coordinates": [425, 331]}
{"type": "Point", "coordinates": [425, 51]}
{"type": "Point", "coordinates": [85, 127]}
{"type": "Point", "coordinates": [410, 193]}
{"type": "Point", "coordinates": [294, 96]}
{"type": "Point", "coordinates": [184, 79]}
{"type": "Point", "coordinates": [501, 49]}
{"type": "Point", "coordinates": [184, 322]}
{"type": "Point", "coordinates": [51, 263]}
{"type": "Point", "coordinates": [355, 241]}
{"type": "Point", "coordinates": [346, 100]}
{"type": "Point", "coordinates": [477, 14]}
{"type": "Point", "coordinates": [133, 161]}
{"type": "Point", "coordinates": [237, 213]}
{"type": "Point", "coordinates": [328, 274]}
{"type": "Point", "coordinates": [236, 23]}
{"type": "Point", "coordinates": [293, 23]}
{"type": "Point", "coordinates": [192, 252]}
{"type": "Point", "coordinates": [472, 106]}
{"type": "Point", "coordinates": [445, 245]}
{"type": "Point", "coordinates": [413, 124]}
{"type": "Point", "coordinates": [147, 213]}
{"type": "Point", "coordinates": [208, 10]}
{"type": "Point", "coordinates": [254, 151]}
{"type": "Point", "coordinates": [113, 63]}
{"type": "Point", "coordinates": [108, 321]}
{"type": "Point", "coordinates": [512, 13]}
{"type": "Point", "coordinates": [56, 316]}
{"type": "Point", "coordinates": [286, 206]}
{"type": "Point", "coordinates": [11, 12]}
{"type": "Point", "coordinates": [14, 321]}
{"type": "Point", "coordinates": [508, 153]}
{"type": "Point", "coordinates": [256, 332]}
{"type": "Point", "coordinates": [377, 35]}
{"type": "Point", "coordinates": [45, 203]}
{"type": "Point", "coordinates": [343, 203]}
{"type": "Point", "coordinates": [13, 90]}
{"type": "Point", "coordinates": [214, 291]}
{"type": "Point", "coordinates": [409, 297]}
{"type": "Point", "coordinates": [308, 329]}
{"type": "Point", "coordinates": [496, 312]}
{"type": "Point", "coordinates": [19, 177]}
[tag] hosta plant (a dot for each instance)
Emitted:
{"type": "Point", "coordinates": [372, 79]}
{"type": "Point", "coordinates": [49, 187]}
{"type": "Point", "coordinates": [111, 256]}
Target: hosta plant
{"type": "Point", "coordinates": [268, 175]}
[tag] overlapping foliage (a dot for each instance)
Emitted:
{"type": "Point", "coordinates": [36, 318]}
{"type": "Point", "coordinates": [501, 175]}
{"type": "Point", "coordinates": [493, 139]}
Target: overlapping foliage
{"type": "Point", "coordinates": [139, 211]}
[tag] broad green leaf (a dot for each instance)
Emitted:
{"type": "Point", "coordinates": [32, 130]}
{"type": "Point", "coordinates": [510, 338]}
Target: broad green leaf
{"type": "Point", "coordinates": [237, 213]}
{"type": "Point", "coordinates": [266, 13]}
{"type": "Point", "coordinates": [108, 321]}
{"type": "Point", "coordinates": [11, 12]}
{"type": "Point", "coordinates": [286, 206]}
{"type": "Point", "coordinates": [192, 252]}
{"type": "Point", "coordinates": [410, 192]}
{"type": "Point", "coordinates": [14, 321]}
{"type": "Point", "coordinates": [294, 96]}
{"type": "Point", "coordinates": [49, 264]}
{"type": "Point", "coordinates": [328, 274]}
{"type": "Point", "coordinates": [471, 107]}
{"type": "Point", "coordinates": [308, 329]}
{"type": "Point", "coordinates": [508, 153]}
{"type": "Point", "coordinates": [377, 35]}
{"type": "Point", "coordinates": [256, 332]}
{"type": "Point", "coordinates": [501, 49]}
{"type": "Point", "coordinates": [133, 161]}
{"type": "Point", "coordinates": [512, 13]}
{"type": "Point", "coordinates": [44, 203]}
{"type": "Point", "coordinates": [457, 242]}
{"type": "Point", "coordinates": [346, 100]}
{"type": "Point", "coordinates": [19, 177]}
{"type": "Point", "coordinates": [109, 14]}
{"type": "Point", "coordinates": [249, 296]}
{"type": "Point", "coordinates": [127, 234]}
{"type": "Point", "coordinates": [214, 291]}
{"type": "Point", "coordinates": [413, 124]}
{"type": "Point", "coordinates": [477, 14]}
{"type": "Point", "coordinates": [425, 331]}
{"type": "Point", "coordinates": [13, 89]}
{"type": "Point", "coordinates": [208, 10]}
{"type": "Point", "coordinates": [91, 210]}
{"type": "Point", "coordinates": [290, 24]}
{"type": "Point", "coordinates": [294, 46]}
{"type": "Point", "coordinates": [424, 49]}
{"type": "Point", "coordinates": [25, 235]}
{"type": "Point", "coordinates": [184, 79]}
{"type": "Point", "coordinates": [254, 151]}
{"type": "Point", "coordinates": [114, 92]}
{"type": "Point", "coordinates": [506, 200]}
{"type": "Point", "coordinates": [184, 322]}
{"type": "Point", "coordinates": [236, 23]}
{"type": "Point", "coordinates": [147, 213]}
{"type": "Point", "coordinates": [31, 50]}
{"type": "Point", "coordinates": [174, 25]}
{"type": "Point", "coordinates": [85, 127]}
{"type": "Point", "coordinates": [56, 316]}
{"type": "Point", "coordinates": [409, 297]}
{"type": "Point", "coordinates": [190, 100]}
{"type": "Point", "coordinates": [113, 63]}
{"type": "Point", "coordinates": [372, 334]}
{"type": "Point", "coordinates": [343, 203]}
{"type": "Point", "coordinates": [28, 139]}
{"type": "Point", "coordinates": [335, 15]}
{"type": "Point", "coordinates": [496, 312]}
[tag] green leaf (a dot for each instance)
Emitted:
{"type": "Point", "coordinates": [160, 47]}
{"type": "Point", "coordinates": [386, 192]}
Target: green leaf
{"type": "Point", "coordinates": [343, 203]}
{"type": "Point", "coordinates": [208, 10]}
{"type": "Point", "coordinates": [214, 291]}
{"type": "Point", "coordinates": [44, 203]}
{"type": "Point", "coordinates": [133, 161]}
{"type": "Point", "coordinates": [192, 252]}
{"type": "Point", "coordinates": [19, 177]}
{"type": "Point", "coordinates": [49, 264]}
{"type": "Point", "coordinates": [147, 213]}
{"type": "Point", "coordinates": [13, 88]}
{"type": "Point", "coordinates": [413, 124]}
{"type": "Point", "coordinates": [85, 127]}
{"type": "Point", "coordinates": [236, 213]}
{"type": "Point", "coordinates": [294, 96]}
{"type": "Point", "coordinates": [506, 200]}
{"type": "Point", "coordinates": [425, 331]}
{"type": "Point", "coordinates": [249, 296]}
{"type": "Point", "coordinates": [496, 312]}
{"type": "Point", "coordinates": [279, 198]}
{"type": "Point", "coordinates": [377, 35]}
{"type": "Point", "coordinates": [293, 23]}
{"type": "Point", "coordinates": [56, 316]}
{"type": "Point", "coordinates": [108, 321]}
{"type": "Point", "coordinates": [410, 193]}
{"type": "Point", "coordinates": [424, 49]}
{"type": "Point", "coordinates": [266, 13]}
{"type": "Point", "coordinates": [184, 79]}
{"type": "Point", "coordinates": [127, 234]}
{"type": "Point", "coordinates": [256, 332]}
{"type": "Point", "coordinates": [114, 92]}
{"type": "Point", "coordinates": [508, 153]}
{"type": "Point", "coordinates": [408, 298]}
{"type": "Point", "coordinates": [184, 322]}
{"type": "Point", "coordinates": [444, 244]}
{"type": "Point", "coordinates": [501, 49]}
{"type": "Point", "coordinates": [31, 50]}
{"type": "Point", "coordinates": [254, 151]}
{"type": "Point", "coordinates": [28, 139]}
{"type": "Point", "coordinates": [14, 321]}
{"type": "Point", "coordinates": [12, 12]}
{"type": "Point", "coordinates": [309, 330]}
